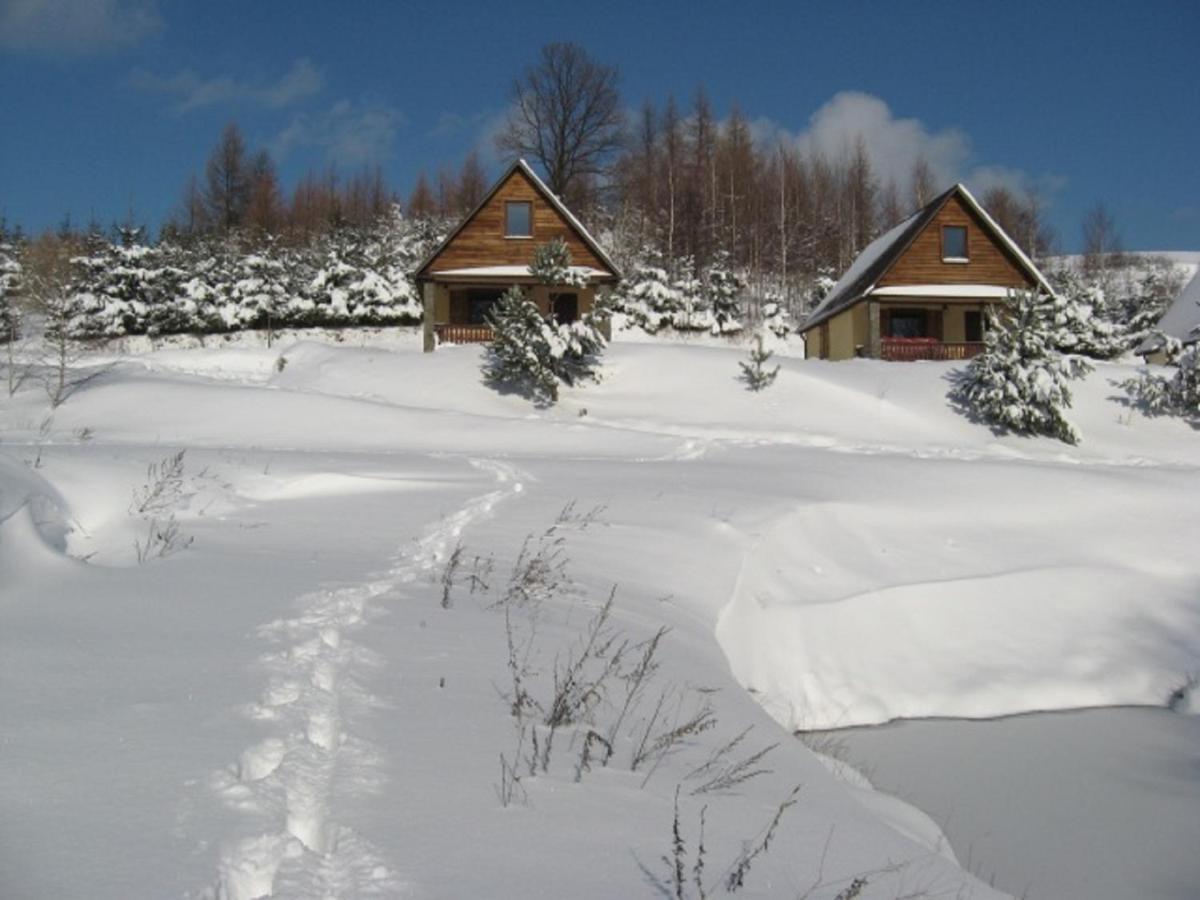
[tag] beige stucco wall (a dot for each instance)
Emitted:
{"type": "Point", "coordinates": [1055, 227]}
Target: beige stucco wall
{"type": "Point", "coordinates": [848, 331]}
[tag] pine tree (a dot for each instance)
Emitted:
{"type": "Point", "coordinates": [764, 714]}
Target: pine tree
{"type": "Point", "coordinates": [754, 372]}
{"type": "Point", "coordinates": [519, 354]}
{"type": "Point", "coordinates": [648, 296]}
{"type": "Point", "coordinates": [1177, 394]}
{"type": "Point", "coordinates": [10, 289]}
{"type": "Point", "coordinates": [552, 265]}
{"type": "Point", "coordinates": [1081, 324]}
{"type": "Point", "coordinates": [776, 321]}
{"type": "Point", "coordinates": [723, 288]}
{"type": "Point", "coordinates": [692, 311]}
{"type": "Point", "coordinates": [533, 353]}
{"type": "Point", "coordinates": [262, 288]}
{"type": "Point", "coordinates": [1019, 382]}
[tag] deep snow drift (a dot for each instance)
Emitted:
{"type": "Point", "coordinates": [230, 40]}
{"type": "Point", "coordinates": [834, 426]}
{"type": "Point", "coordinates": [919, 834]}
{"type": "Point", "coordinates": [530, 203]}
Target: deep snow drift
{"type": "Point", "coordinates": [276, 700]}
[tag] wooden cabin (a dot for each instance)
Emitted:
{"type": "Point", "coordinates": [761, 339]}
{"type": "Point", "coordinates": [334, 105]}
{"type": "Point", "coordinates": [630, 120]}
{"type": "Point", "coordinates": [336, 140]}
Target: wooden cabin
{"type": "Point", "coordinates": [921, 290]}
{"type": "Point", "coordinates": [492, 249]}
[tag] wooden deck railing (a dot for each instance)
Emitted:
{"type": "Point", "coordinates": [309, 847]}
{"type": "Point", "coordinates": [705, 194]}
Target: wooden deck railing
{"type": "Point", "coordinates": [909, 349]}
{"type": "Point", "coordinates": [462, 334]}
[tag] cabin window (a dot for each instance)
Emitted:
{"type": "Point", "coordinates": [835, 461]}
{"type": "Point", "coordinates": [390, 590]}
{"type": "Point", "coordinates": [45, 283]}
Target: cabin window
{"type": "Point", "coordinates": [479, 303]}
{"type": "Point", "coordinates": [907, 323]}
{"type": "Point", "coordinates": [954, 243]}
{"type": "Point", "coordinates": [518, 219]}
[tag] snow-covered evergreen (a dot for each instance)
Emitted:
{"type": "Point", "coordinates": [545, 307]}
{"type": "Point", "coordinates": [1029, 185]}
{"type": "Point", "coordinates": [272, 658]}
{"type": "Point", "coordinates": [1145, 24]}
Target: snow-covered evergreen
{"type": "Point", "coordinates": [230, 282]}
{"type": "Point", "coordinates": [723, 289]}
{"type": "Point", "coordinates": [1176, 393]}
{"type": "Point", "coordinates": [10, 289]}
{"type": "Point", "coordinates": [1019, 382]}
{"type": "Point", "coordinates": [533, 353]}
{"type": "Point", "coordinates": [648, 296]}
{"type": "Point", "coordinates": [519, 354]}
{"type": "Point", "coordinates": [552, 265]}
{"type": "Point", "coordinates": [1082, 324]}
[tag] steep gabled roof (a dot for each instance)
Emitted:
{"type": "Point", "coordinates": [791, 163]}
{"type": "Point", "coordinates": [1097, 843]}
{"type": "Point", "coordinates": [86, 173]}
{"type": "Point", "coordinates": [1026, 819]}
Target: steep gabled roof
{"type": "Point", "coordinates": [881, 254]}
{"type": "Point", "coordinates": [1181, 320]}
{"type": "Point", "coordinates": [547, 194]}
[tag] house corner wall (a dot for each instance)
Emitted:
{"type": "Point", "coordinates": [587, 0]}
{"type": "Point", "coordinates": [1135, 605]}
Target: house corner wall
{"type": "Point", "coordinates": [428, 295]}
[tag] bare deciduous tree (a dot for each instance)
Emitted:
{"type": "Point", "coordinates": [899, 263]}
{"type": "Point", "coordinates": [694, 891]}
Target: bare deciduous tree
{"type": "Point", "coordinates": [922, 183]}
{"type": "Point", "coordinates": [472, 182]}
{"type": "Point", "coordinates": [227, 179]}
{"type": "Point", "coordinates": [566, 115]}
{"type": "Point", "coordinates": [1101, 243]}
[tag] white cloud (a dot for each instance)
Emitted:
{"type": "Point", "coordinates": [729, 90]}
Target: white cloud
{"type": "Point", "coordinates": [76, 27]}
{"type": "Point", "coordinates": [191, 91]}
{"type": "Point", "coordinates": [982, 178]}
{"type": "Point", "coordinates": [894, 144]}
{"type": "Point", "coordinates": [346, 133]}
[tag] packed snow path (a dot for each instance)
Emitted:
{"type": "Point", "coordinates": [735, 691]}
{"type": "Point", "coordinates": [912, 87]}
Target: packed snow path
{"type": "Point", "coordinates": [288, 842]}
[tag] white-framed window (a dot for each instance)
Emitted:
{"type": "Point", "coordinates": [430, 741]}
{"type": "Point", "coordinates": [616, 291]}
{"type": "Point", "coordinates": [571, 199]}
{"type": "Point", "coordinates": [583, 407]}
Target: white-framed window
{"type": "Point", "coordinates": [518, 219]}
{"type": "Point", "coordinates": [954, 244]}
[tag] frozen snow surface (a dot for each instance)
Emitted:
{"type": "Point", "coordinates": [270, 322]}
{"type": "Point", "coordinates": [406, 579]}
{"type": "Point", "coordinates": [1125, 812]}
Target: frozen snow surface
{"type": "Point", "coordinates": [247, 684]}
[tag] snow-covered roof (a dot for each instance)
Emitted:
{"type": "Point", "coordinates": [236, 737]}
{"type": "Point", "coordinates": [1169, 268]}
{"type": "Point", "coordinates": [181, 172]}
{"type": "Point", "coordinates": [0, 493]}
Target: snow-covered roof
{"type": "Point", "coordinates": [550, 197]}
{"type": "Point", "coordinates": [1182, 318]}
{"type": "Point", "coordinates": [949, 291]}
{"type": "Point", "coordinates": [510, 272]}
{"type": "Point", "coordinates": [876, 259]}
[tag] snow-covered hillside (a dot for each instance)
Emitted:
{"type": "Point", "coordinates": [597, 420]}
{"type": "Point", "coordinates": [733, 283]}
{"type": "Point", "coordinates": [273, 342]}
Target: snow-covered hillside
{"type": "Point", "coordinates": [290, 669]}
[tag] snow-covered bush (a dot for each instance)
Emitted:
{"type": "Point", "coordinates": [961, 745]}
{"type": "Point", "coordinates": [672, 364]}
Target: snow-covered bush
{"type": "Point", "coordinates": [533, 353]}
{"type": "Point", "coordinates": [1019, 382]}
{"type": "Point", "coordinates": [1176, 394]}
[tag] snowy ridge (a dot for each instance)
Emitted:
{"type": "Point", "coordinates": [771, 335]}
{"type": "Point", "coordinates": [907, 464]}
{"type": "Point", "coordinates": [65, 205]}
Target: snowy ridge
{"type": "Point", "coordinates": [287, 780]}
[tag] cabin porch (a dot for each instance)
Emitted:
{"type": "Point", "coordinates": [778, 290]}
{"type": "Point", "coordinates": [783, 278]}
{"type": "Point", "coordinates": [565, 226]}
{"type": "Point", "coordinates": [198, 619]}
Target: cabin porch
{"type": "Point", "coordinates": [457, 312]}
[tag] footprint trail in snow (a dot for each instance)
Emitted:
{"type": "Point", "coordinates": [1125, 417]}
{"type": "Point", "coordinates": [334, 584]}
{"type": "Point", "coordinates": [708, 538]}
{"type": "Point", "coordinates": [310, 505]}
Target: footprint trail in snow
{"type": "Point", "coordinates": [286, 842]}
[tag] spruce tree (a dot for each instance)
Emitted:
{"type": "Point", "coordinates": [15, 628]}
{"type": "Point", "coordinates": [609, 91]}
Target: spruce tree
{"type": "Point", "coordinates": [1019, 382]}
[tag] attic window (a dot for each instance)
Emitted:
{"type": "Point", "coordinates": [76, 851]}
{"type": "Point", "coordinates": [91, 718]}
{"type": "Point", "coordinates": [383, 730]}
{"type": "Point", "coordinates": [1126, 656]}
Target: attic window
{"type": "Point", "coordinates": [518, 219]}
{"type": "Point", "coordinates": [954, 243]}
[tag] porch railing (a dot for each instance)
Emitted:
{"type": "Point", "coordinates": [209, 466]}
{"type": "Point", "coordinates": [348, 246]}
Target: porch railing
{"type": "Point", "coordinates": [462, 334]}
{"type": "Point", "coordinates": [909, 349]}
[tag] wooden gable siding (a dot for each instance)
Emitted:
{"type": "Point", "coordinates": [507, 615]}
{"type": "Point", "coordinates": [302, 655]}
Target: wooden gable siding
{"type": "Point", "coordinates": [481, 242]}
{"type": "Point", "coordinates": [989, 262]}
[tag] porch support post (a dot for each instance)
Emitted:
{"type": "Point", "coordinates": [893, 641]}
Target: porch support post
{"type": "Point", "coordinates": [428, 293]}
{"type": "Point", "coordinates": [874, 342]}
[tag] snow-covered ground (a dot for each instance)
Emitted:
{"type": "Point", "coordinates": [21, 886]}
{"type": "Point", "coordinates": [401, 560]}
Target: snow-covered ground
{"type": "Point", "coordinates": [282, 704]}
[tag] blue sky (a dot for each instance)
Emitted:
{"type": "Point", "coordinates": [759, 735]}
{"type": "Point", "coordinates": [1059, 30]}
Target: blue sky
{"type": "Point", "coordinates": [107, 105]}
